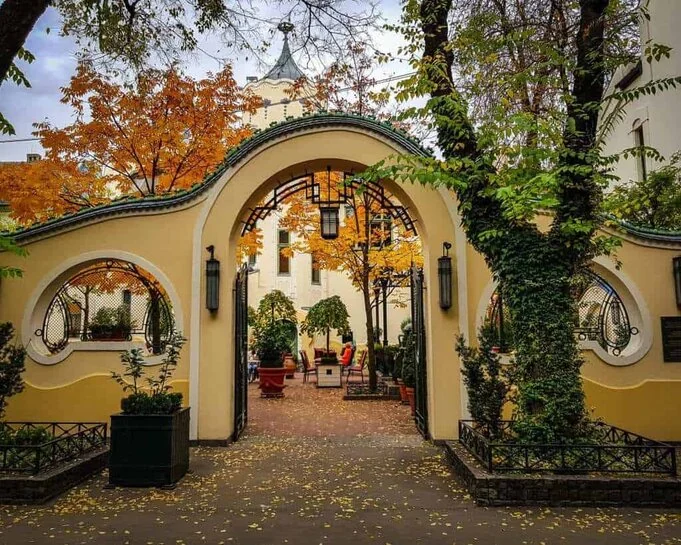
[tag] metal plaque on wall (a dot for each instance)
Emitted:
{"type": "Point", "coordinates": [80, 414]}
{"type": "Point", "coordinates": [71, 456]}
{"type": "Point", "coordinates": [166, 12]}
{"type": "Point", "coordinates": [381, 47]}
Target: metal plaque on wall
{"type": "Point", "coordinates": [671, 338]}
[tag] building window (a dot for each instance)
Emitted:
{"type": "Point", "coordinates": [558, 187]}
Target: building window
{"type": "Point", "coordinates": [283, 244]}
{"type": "Point", "coordinates": [640, 142]}
{"type": "Point", "coordinates": [252, 260]}
{"type": "Point", "coordinates": [316, 271]}
{"type": "Point", "coordinates": [381, 231]}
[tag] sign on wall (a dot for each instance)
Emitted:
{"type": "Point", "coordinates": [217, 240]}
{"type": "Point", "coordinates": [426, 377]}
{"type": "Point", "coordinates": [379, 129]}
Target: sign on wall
{"type": "Point", "coordinates": [671, 338]}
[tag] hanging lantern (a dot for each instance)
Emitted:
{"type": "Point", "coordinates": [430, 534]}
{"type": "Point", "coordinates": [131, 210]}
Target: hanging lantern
{"type": "Point", "coordinates": [328, 216]}
{"type": "Point", "coordinates": [212, 281]}
{"type": "Point", "coordinates": [677, 279]}
{"type": "Point", "coordinates": [444, 275]}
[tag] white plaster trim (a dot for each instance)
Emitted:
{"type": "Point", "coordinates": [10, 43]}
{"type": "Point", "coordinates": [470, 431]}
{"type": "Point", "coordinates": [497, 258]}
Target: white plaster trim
{"type": "Point", "coordinates": [645, 327]}
{"type": "Point", "coordinates": [30, 320]}
{"type": "Point", "coordinates": [639, 316]}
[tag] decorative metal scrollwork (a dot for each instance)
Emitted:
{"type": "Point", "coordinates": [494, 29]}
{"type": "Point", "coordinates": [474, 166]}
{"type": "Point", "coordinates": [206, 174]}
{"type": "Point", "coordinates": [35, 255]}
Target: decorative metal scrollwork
{"type": "Point", "coordinates": [111, 300]}
{"type": "Point", "coordinates": [343, 193]}
{"type": "Point", "coordinates": [603, 317]}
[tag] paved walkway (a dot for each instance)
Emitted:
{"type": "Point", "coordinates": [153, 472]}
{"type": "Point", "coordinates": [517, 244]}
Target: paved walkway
{"type": "Point", "coordinates": [313, 469]}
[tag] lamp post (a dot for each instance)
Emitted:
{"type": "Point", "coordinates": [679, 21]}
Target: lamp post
{"type": "Point", "coordinates": [444, 275]}
{"type": "Point", "coordinates": [212, 281]}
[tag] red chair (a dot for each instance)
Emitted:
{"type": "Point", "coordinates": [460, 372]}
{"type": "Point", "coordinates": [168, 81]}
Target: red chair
{"type": "Point", "coordinates": [358, 368]}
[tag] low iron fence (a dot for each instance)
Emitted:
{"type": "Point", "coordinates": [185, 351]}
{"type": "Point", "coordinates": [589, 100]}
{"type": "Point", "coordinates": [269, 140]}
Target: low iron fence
{"type": "Point", "coordinates": [35, 447]}
{"type": "Point", "coordinates": [615, 451]}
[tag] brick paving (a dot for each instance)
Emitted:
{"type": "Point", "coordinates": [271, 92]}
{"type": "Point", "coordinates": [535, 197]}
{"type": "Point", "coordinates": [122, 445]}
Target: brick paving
{"type": "Point", "coordinates": [313, 469]}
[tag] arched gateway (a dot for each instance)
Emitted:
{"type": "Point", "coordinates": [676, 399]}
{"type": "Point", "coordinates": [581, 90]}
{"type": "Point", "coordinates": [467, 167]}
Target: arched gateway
{"type": "Point", "coordinates": [167, 237]}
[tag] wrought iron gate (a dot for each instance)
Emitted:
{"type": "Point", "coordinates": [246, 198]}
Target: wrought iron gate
{"type": "Point", "coordinates": [240, 352]}
{"type": "Point", "coordinates": [419, 329]}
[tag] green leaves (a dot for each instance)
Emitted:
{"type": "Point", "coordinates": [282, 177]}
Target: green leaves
{"type": "Point", "coordinates": [654, 201]}
{"type": "Point", "coordinates": [327, 314]}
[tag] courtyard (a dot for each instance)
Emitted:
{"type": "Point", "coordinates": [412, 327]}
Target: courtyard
{"type": "Point", "coordinates": [312, 468]}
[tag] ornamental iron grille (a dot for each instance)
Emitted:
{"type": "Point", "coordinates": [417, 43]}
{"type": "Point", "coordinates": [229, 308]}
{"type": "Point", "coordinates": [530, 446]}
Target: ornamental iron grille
{"type": "Point", "coordinates": [59, 443]}
{"type": "Point", "coordinates": [603, 317]}
{"type": "Point", "coordinates": [241, 352]}
{"type": "Point", "coordinates": [110, 300]}
{"type": "Point", "coordinates": [419, 329]}
{"type": "Point", "coordinates": [320, 190]}
{"type": "Point", "coordinates": [609, 450]}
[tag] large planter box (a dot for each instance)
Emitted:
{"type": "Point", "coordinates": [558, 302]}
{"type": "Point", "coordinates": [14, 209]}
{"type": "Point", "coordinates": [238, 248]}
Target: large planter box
{"type": "Point", "coordinates": [149, 450]}
{"type": "Point", "coordinates": [328, 375]}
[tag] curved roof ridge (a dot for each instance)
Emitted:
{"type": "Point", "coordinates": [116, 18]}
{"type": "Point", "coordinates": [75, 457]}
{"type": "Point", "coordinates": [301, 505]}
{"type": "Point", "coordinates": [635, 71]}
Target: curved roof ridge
{"type": "Point", "coordinates": [130, 204]}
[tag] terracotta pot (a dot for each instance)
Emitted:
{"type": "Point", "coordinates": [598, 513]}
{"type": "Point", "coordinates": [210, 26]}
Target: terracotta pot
{"type": "Point", "coordinates": [272, 381]}
{"type": "Point", "coordinates": [290, 366]}
{"type": "Point", "coordinates": [410, 396]}
{"type": "Point", "coordinates": [403, 392]}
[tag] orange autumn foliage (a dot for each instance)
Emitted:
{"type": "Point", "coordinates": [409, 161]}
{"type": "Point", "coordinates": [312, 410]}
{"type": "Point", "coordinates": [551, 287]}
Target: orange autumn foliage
{"type": "Point", "coordinates": [344, 253]}
{"type": "Point", "coordinates": [44, 189]}
{"type": "Point", "coordinates": [166, 133]}
{"type": "Point", "coordinates": [163, 133]}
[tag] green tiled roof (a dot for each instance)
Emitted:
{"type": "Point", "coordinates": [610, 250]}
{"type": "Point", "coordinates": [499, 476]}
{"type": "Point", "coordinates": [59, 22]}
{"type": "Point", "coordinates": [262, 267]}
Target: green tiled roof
{"type": "Point", "coordinates": [157, 202]}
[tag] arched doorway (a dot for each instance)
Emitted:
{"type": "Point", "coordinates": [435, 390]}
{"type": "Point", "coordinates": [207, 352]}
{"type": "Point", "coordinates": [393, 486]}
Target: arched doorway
{"type": "Point", "coordinates": [290, 150]}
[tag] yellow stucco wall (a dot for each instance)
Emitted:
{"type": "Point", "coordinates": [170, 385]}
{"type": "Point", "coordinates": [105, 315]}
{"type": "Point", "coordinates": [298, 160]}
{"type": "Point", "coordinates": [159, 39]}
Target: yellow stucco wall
{"type": "Point", "coordinates": [640, 396]}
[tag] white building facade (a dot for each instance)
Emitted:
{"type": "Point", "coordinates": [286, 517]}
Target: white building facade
{"type": "Point", "coordinates": [652, 120]}
{"type": "Point", "coordinates": [295, 276]}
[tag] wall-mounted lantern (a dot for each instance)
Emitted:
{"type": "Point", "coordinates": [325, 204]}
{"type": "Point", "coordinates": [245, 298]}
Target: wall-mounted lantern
{"type": "Point", "coordinates": [444, 276]}
{"type": "Point", "coordinates": [212, 281]}
{"type": "Point", "coordinates": [677, 279]}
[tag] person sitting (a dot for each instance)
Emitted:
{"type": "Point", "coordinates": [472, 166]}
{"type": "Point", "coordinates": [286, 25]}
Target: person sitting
{"type": "Point", "coordinates": [252, 368]}
{"type": "Point", "coordinates": [346, 357]}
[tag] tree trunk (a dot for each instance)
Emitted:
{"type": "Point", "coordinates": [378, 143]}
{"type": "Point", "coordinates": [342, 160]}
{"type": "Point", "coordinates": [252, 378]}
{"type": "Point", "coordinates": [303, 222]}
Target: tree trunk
{"type": "Point", "coordinates": [17, 18]}
{"type": "Point", "coordinates": [535, 269]}
{"type": "Point", "coordinates": [371, 353]}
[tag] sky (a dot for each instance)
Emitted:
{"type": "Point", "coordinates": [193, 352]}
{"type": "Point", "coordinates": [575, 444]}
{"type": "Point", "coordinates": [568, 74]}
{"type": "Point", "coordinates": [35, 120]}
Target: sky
{"type": "Point", "coordinates": [55, 63]}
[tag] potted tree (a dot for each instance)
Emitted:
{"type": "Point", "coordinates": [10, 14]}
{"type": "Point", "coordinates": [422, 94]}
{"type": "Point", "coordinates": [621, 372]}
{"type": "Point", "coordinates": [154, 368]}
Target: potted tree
{"type": "Point", "coordinates": [324, 316]}
{"type": "Point", "coordinates": [277, 307]}
{"type": "Point", "coordinates": [150, 437]}
{"type": "Point", "coordinates": [111, 324]}
{"type": "Point", "coordinates": [270, 342]}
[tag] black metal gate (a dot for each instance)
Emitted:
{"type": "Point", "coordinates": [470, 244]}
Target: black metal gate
{"type": "Point", "coordinates": [240, 352]}
{"type": "Point", "coordinates": [418, 325]}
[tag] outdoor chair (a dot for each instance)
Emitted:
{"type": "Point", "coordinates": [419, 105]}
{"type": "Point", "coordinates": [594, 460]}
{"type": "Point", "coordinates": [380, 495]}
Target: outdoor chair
{"type": "Point", "coordinates": [358, 368]}
{"type": "Point", "coordinates": [307, 369]}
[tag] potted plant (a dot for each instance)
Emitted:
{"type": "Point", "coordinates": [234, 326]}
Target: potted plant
{"type": "Point", "coordinates": [270, 342]}
{"type": "Point", "coordinates": [408, 368]}
{"type": "Point", "coordinates": [277, 307]}
{"type": "Point", "coordinates": [324, 316]}
{"type": "Point", "coordinates": [150, 437]}
{"type": "Point", "coordinates": [111, 324]}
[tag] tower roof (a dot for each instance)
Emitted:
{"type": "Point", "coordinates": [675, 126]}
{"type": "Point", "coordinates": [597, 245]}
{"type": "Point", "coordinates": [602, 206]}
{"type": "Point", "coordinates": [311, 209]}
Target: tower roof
{"type": "Point", "coordinates": [285, 67]}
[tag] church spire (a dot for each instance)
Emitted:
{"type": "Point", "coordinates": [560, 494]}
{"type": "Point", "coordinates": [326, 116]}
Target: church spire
{"type": "Point", "coordinates": [285, 67]}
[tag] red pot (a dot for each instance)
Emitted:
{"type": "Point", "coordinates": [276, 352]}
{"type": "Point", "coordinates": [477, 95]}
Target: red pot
{"type": "Point", "coordinates": [410, 396]}
{"type": "Point", "coordinates": [403, 392]}
{"type": "Point", "coordinates": [272, 381]}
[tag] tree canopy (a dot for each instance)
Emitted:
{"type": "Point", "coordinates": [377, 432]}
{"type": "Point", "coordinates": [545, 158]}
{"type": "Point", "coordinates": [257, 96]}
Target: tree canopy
{"type": "Point", "coordinates": [654, 201]}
